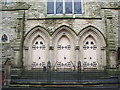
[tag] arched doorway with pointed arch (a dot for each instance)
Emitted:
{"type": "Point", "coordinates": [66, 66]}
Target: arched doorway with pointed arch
{"type": "Point", "coordinates": [39, 49]}
{"type": "Point", "coordinates": [64, 56]}
{"type": "Point", "coordinates": [92, 53]}
{"type": "Point", "coordinates": [36, 48]}
{"type": "Point", "coordinates": [64, 52]}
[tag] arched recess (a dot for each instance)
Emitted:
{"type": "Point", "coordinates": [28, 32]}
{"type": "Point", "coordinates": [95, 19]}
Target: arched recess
{"type": "Point", "coordinates": [36, 51]}
{"type": "Point", "coordinates": [64, 41]}
{"type": "Point", "coordinates": [92, 52]}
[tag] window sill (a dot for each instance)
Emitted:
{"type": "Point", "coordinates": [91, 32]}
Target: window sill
{"type": "Point", "coordinates": [64, 17]}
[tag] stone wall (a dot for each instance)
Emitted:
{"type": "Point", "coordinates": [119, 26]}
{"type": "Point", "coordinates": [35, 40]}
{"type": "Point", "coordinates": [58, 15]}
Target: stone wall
{"type": "Point", "coordinates": [9, 27]}
{"type": "Point", "coordinates": [9, 24]}
{"type": "Point", "coordinates": [94, 14]}
{"type": "Point", "coordinates": [119, 28]}
{"type": "Point", "coordinates": [76, 24]}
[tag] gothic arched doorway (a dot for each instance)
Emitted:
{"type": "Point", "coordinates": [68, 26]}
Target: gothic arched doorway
{"type": "Point", "coordinates": [64, 40]}
{"type": "Point", "coordinates": [39, 55]}
{"type": "Point", "coordinates": [90, 53]}
{"type": "Point", "coordinates": [64, 52]}
{"type": "Point", "coordinates": [36, 50]}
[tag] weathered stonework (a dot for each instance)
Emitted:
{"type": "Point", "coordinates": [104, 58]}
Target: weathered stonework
{"type": "Point", "coordinates": [19, 19]}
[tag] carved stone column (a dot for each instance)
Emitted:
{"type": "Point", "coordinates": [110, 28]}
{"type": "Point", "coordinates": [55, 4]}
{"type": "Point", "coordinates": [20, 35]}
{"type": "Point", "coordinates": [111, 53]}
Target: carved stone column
{"type": "Point", "coordinates": [51, 48]}
{"type": "Point", "coordinates": [77, 55]}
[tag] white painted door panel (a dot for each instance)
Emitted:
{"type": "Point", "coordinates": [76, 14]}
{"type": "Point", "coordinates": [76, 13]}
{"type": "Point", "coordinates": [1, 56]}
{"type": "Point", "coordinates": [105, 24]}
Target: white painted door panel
{"type": "Point", "coordinates": [90, 51]}
{"type": "Point", "coordinates": [64, 52]}
{"type": "Point", "coordinates": [38, 53]}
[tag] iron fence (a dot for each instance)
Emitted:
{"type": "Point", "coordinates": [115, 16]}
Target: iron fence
{"type": "Point", "coordinates": [64, 75]}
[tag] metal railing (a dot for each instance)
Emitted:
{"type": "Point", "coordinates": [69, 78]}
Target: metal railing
{"type": "Point", "coordinates": [65, 75]}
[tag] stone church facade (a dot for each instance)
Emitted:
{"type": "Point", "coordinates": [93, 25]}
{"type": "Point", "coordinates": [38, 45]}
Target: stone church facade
{"type": "Point", "coordinates": [61, 33]}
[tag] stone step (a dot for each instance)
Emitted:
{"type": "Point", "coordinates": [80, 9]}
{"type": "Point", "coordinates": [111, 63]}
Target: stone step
{"type": "Point", "coordinates": [38, 77]}
{"type": "Point", "coordinates": [61, 75]}
{"type": "Point", "coordinates": [82, 81]}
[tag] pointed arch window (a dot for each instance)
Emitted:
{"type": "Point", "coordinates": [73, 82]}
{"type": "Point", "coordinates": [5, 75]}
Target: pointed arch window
{"type": "Point", "coordinates": [87, 42]}
{"type": "Point", "coordinates": [89, 45]}
{"type": "Point", "coordinates": [41, 42]}
{"type": "Point", "coordinates": [36, 42]}
{"type": "Point", "coordinates": [92, 42]}
{"type": "Point", "coordinates": [4, 38]}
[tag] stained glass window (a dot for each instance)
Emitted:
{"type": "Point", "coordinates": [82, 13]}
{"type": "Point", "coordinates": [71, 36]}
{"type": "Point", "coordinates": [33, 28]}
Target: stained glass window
{"type": "Point", "coordinates": [64, 6]}
{"type": "Point", "coordinates": [59, 6]}
{"type": "Point", "coordinates": [4, 38]}
{"type": "Point", "coordinates": [68, 7]}
{"type": "Point", "coordinates": [77, 7]}
{"type": "Point", "coordinates": [50, 7]}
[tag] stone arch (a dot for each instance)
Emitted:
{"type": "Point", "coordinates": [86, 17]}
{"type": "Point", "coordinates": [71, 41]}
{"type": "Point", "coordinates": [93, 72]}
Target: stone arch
{"type": "Point", "coordinates": [72, 31]}
{"type": "Point", "coordinates": [99, 39]}
{"type": "Point", "coordinates": [64, 33]}
{"type": "Point", "coordinates": [30, 37]}
{"type": "Point", "coordinates": [95, 30]}
{"type": "Point", "coordinates": [32, 30]}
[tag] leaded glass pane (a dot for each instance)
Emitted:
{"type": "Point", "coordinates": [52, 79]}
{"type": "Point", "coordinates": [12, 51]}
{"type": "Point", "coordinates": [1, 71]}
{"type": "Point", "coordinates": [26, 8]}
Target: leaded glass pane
{"type": "Point", "coordinates": [68, 6]}
{"type": "Point", "coordinates": [59, 6]}
{"type": "Point", "coordinates": [77, 7]}
{"type": "Point", "coordinates": [50, 7]}
{"type": "Point", "coordinates": [4, 38]}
